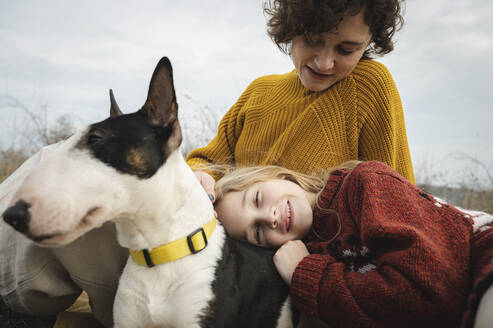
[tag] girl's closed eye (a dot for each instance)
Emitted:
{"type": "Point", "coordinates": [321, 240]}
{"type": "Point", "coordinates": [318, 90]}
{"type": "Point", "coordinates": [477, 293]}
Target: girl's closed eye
{"type": "Point", "coordinates": [257, 198]}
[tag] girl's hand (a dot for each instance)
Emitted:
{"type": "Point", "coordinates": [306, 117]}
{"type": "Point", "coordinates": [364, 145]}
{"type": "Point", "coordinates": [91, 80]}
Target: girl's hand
{"type": "Point", "coordinates": [287, 258]}
{"type": "Point", "coordinates": [208, 183]}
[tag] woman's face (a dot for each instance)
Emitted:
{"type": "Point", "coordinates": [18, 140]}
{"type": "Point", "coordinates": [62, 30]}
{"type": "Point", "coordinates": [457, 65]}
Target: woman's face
{"type": "Point", "coordinates": [268, 213]}
{"type": "Point", "coordinates": [333, 56]}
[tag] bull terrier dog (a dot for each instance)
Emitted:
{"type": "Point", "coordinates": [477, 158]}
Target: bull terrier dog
{"type": "Point", "coordinates": [183, 269]}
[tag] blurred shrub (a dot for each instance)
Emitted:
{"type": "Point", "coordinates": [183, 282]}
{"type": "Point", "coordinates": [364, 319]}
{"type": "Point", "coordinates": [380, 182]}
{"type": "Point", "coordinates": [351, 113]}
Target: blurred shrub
{"type": "Point", "coordinates": [472, 187]}
{"type": "Point", "coordinates": [36, 133]}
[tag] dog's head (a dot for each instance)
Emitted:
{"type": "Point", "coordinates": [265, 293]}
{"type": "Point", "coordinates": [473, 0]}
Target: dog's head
{"type": "Point", "coordinates": [97, 173]}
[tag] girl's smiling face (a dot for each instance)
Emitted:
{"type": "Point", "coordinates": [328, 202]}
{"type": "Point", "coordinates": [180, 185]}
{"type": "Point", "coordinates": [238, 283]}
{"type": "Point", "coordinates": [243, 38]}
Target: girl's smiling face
{"type": "Point", "coordinates": [268, 213]}
{"type": "Point", "coordinates": [333, 55]}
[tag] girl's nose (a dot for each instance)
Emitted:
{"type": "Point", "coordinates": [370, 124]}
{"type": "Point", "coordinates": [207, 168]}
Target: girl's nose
{"type": "Point", "coordinates": [271, 218]}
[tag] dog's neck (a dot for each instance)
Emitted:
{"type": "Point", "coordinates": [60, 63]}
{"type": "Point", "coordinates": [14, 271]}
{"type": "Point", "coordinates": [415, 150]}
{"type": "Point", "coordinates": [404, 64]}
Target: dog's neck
{"type": "Point", "coordinates": [166, 207]}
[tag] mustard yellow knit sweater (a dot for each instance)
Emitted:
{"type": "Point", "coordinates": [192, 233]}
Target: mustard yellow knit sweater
{"type": "Point", "coordinates": [278, 121]}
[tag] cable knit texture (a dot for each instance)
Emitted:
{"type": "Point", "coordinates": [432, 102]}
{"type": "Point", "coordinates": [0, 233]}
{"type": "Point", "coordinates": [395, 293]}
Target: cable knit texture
{"type": "Point", "coordinates": [278, 121]}
{"type": "Point", "coordinates": [401, 258]}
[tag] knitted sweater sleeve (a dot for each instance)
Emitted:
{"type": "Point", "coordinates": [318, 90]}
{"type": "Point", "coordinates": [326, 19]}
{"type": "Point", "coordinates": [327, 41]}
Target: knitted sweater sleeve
{"type": "Point", "coordinates": [420, 258]}
{"type": "Point", "coordinates": [221, 148]}
{"type": "Point", "coordinates": [383, 132]}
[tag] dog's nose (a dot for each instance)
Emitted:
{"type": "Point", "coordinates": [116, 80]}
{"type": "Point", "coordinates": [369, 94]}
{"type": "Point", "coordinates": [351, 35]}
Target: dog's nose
{"type": "Point", "coordinates": [18, 216]}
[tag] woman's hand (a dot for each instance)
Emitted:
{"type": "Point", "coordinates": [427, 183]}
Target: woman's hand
{"type": "Point", "coordinates": [287, 258]}
{"type": "Point", "coordinates": [208, 183]}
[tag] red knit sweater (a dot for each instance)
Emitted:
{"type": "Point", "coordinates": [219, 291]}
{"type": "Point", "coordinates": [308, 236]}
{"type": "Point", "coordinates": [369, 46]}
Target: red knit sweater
{"type": "Point", "coordinates": [392, 256]}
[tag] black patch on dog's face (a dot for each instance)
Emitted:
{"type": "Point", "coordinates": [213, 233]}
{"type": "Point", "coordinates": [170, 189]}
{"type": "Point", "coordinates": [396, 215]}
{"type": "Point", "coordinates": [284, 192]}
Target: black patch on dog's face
{"type": "Point", "coordinates": [139, 143]}
{"type": "Point", "coordinates": [129, 143]}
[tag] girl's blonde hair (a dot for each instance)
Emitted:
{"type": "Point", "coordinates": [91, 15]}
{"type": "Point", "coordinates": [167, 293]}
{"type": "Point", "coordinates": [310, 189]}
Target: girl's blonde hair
{"type": "Point", "coordinates": [241, 178]}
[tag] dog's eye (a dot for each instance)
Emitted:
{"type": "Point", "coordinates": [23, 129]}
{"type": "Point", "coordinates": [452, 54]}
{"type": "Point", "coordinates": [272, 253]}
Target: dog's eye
{"type": "Point", "coordinates": [95, 137]}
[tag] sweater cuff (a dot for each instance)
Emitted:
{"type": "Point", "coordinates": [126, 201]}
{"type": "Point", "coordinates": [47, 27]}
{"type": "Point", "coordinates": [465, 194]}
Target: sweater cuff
{"type": "Point", "coordinates": [305, 282]}
{"type": "Point", "coordinates": [197, 163]}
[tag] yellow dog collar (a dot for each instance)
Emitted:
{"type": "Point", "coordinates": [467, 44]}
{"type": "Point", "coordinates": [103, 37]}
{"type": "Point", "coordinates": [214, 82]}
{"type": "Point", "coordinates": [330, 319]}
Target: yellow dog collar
{"type": "Point", "coordinates": [191, 244]}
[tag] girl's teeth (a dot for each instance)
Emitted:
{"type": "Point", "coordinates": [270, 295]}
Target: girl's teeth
{"type": "Point", "coordinates": [289, 216]}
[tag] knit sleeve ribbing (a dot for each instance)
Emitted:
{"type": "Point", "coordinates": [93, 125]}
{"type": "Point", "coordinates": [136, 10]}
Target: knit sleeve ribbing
{"type": "Point", "coordinates": [306, 281]}
{"type": "Point", "coordinates": [381, 119]}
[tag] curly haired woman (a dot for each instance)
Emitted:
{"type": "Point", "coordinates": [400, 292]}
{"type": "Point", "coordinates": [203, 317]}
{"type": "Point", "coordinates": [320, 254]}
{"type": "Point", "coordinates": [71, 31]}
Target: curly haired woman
{"type": "Point", "coordinates": [337, 105]}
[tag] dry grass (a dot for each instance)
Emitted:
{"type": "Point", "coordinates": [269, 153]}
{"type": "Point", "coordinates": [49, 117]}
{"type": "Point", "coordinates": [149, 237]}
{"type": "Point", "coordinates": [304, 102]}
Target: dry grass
{"type": "Point", "coordinates": [10, 160]}
{"type": "Point", "coordinates": [470, 186]}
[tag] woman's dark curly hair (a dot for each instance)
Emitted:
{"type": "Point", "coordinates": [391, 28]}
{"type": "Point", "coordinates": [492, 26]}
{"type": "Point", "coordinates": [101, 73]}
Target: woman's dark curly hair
{"type": "Point", "coordinates": [289, 18]}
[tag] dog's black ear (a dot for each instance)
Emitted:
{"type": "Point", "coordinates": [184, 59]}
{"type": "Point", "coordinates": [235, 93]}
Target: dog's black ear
{"type": "Point", "coordinates": [114, 109]}
{"type": "Point", "coordinates": [160, 107]}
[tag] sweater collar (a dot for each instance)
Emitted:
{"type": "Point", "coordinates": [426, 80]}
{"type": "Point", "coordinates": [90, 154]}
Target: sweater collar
{"type": "Point", "coordinates": [326, 222]}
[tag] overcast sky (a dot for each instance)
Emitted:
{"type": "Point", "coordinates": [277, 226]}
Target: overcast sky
{"type": "Point", "coordinates": [67, 54]}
